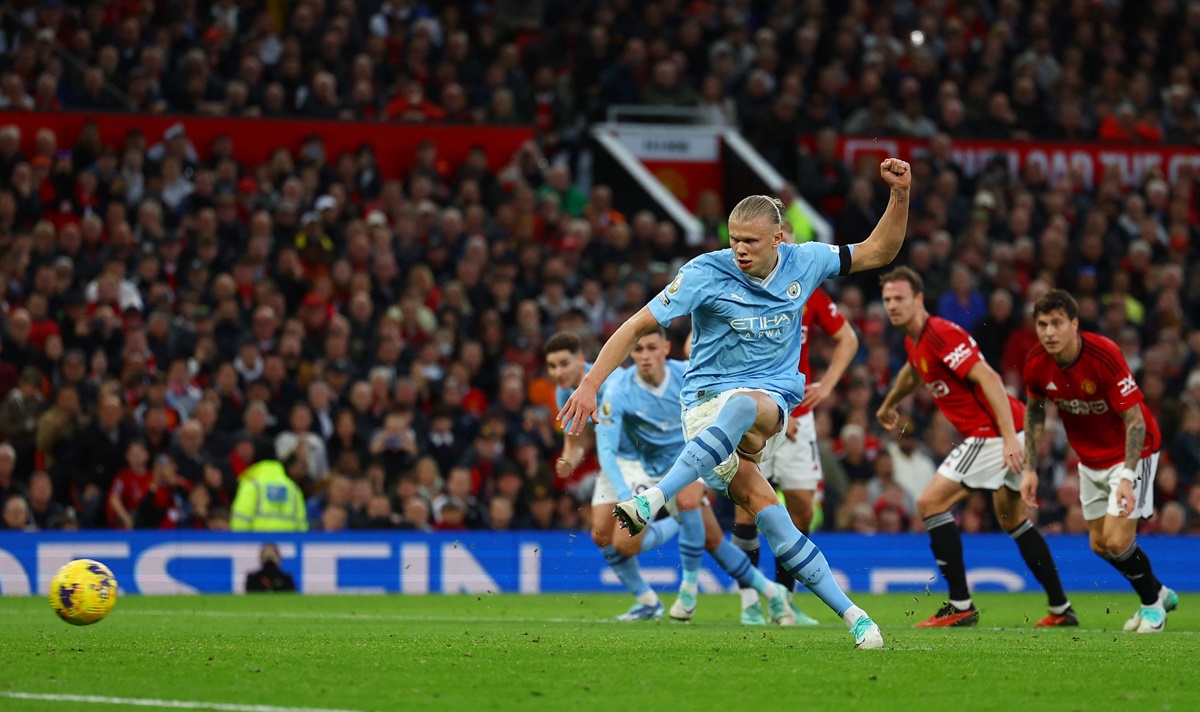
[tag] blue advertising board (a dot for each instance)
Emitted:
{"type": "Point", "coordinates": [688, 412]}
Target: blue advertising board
{"type": "Point", "coordinates": [186, 562]}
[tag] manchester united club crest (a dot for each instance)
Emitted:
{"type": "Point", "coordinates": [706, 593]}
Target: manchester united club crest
{"type": "Point", "coordinates": [923, 365]}
{"type": "Point", "coordinates": [1088, 387]}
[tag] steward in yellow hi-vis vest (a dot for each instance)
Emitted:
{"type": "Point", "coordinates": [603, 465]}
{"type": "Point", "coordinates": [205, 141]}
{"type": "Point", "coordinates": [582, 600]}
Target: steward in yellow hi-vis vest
{"type": "Point", "coordinates": [268, 501]}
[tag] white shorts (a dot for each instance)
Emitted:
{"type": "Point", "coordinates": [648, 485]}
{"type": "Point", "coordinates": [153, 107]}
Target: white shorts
{"type": "Point", "coordinates": [978, 463]}
{"type": "Point", "coordinates": [1098, 489]}
{"type": "Point", "coordinates": [636, 479]}
{"type": "Point", "coordinates": [697, 419]}
{"type": "Point", "coordinates": [796, 465]}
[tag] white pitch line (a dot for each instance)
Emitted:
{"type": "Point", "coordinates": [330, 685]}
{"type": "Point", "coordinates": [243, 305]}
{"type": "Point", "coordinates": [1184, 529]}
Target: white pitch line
{"type": "Point", "coordinates": [165, 704]}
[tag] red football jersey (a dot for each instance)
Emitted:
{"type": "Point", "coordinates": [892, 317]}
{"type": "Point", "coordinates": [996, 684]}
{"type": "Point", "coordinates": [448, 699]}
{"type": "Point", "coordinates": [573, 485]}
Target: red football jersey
{"type": "Point", "coordinates": [1091, 393]}
{"type": "Point", "coordinates": [820, 310]}
{"type": "Point", "coordinates": [943, 355]}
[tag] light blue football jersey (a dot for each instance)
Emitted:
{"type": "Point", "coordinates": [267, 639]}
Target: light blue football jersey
{"type": "Point", "coordinates": [624, 448]}
{"type": "Point", "coordinates": [745, 330]}
{"type": "Point", "coordinates": [648, 417]}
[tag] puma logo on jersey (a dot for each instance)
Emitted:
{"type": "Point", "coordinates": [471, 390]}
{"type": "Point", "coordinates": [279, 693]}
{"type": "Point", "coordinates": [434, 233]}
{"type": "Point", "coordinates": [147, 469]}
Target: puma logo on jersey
{"type": "Point", "coordinates": [1127, 385]}
{"type": "Point", "coordinates": [955, 358]}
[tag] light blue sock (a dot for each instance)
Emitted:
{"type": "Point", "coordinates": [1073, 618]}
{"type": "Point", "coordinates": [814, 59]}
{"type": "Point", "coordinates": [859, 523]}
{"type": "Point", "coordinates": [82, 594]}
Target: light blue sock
{"type": "Point", "coordinates": [691, 544]}
{"type": "Point", "coordinates": [658, 533]}
{"type": "Point", "coordinates": [801, 557]}
{"type": "Point", "coordinates": [711, 446]}
{"type": "Point", "coordinates": [627, 570]}
{"type": "Point", "coordinates": [737, 564]}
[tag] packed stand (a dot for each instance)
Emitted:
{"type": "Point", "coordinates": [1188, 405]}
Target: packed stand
{"type": "Point", "coordinates": [381, 336]}
{"type": "Point", "coordinates": [1003, 69]}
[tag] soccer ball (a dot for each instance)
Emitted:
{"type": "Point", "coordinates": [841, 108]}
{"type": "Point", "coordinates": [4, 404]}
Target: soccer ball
{"type": "Point", "coordinates": [83, 592]}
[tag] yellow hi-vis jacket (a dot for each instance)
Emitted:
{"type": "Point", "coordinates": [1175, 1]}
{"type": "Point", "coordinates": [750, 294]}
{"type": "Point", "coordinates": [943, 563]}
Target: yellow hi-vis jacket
{"type": "Point", "coordinates": [268, 501]}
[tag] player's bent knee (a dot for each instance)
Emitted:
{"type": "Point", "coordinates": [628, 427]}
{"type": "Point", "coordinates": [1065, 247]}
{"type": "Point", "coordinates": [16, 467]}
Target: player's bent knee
{"type": "Point", "coordinates": [1118, 544]}
{"type": "Point", "coordinates": [929, 506]}
{"type": "Point", "coordinates": [602, 538]}
{"type": "Point", "coordinates": [628, 546]}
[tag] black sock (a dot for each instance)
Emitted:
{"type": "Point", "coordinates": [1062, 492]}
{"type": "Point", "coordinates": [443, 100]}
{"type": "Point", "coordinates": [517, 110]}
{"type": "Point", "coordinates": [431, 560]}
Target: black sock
{"type": "Point", "coordinates": [1135, 566]}
{"type": "Point", "coordinates": [946, 542]}
{"type": "Point", "coordinates": [1037, 557]}
{"type": "Point", "coordinates": [745, 537]}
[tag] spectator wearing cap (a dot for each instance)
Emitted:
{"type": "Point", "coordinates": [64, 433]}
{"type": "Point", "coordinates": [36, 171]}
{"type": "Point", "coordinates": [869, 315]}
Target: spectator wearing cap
{"type": "Point", "coordinates": [315, 246]}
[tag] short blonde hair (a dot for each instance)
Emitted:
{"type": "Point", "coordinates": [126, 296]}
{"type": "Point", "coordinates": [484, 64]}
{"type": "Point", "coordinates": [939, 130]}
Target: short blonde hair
{"type": "Point", "coordinates": [755, 207]}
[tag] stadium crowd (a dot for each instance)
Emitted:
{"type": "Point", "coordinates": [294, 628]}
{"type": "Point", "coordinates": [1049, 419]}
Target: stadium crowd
{"type": "Point", "coordinates": [170, 313]}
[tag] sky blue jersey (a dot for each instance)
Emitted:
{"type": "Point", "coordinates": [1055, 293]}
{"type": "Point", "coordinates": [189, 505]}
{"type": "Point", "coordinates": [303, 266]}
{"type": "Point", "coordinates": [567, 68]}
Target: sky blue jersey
{"type": "Point", "coordinates": [624, 449]}
{"type": "Point", "coordinates": [647, 417]}
{"type": "Point", "coordinates": [745, 330]}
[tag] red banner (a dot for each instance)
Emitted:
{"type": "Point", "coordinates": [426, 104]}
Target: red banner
{"type": "Point", "coordinates": [254, 139]}
{"type": "Point", "coordinates": [686, 160]}
{"type": "Point", "coordinates": [1093, 160]}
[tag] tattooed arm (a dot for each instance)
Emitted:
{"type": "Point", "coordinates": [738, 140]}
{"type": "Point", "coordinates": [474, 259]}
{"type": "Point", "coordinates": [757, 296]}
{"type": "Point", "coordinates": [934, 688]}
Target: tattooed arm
{"type": "Point", "coordinates": [1135, 439]}
{"type": "Point", "coordinates": [1135, 436]}
{"type": "Point", "coordinates": [1035, 427]}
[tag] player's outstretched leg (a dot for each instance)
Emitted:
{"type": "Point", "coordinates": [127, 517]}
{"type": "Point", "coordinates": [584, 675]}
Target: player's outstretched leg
{"type": "Point", "coordinates": [701, 455]}
{"type": "Point", "coordinates": [945, 540]}
{"type": "Point", "coordinates": [800, 555]}
{"type": "Point", "coordinates": [1036, 553]}
{"type": "Point", "coordinates": [745, 537]}
{"type": "Point", "coordinates": [806, 562]}
{"type": "Point", "coordinates": [750, 604]}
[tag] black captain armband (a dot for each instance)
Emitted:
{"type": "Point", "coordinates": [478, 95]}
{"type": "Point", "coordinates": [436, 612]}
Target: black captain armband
{"type": "Point", "coordinates": [846, 255]}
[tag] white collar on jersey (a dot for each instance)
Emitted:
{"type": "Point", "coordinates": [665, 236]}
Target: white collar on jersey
{"type": "Point", "coordinates": [765, 282]}
{"type": "Point", "coordinates": [656, 391]}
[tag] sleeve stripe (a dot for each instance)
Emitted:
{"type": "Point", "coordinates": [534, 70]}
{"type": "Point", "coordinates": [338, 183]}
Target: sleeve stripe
{"type": "Point", "coordinates": [846, 255]}
{"type": "Point", "coordinates": [1104, 358]}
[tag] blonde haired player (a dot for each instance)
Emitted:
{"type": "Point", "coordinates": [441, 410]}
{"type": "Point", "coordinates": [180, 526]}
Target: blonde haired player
{"type": "Point", "coordinates": [742, 380]}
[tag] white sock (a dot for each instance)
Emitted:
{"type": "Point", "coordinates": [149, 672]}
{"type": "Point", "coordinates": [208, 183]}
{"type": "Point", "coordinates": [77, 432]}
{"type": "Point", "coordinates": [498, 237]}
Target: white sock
{"type": "Point", "coordinates": [749, 597]}
{"type": "Point", "coordinates": [648, 598]}
{"type": "Point", "coordinates": [656, 499]}
{"type": "Point", "coordinates": [852, 614]}
{"type": "Point", "coordinates": [1059, 610]}
{"type": "Point", "coordinates": [961, 605]}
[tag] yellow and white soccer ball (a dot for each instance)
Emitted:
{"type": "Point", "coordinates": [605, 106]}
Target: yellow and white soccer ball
{"type": "Point", "coordinates": [83, 592]}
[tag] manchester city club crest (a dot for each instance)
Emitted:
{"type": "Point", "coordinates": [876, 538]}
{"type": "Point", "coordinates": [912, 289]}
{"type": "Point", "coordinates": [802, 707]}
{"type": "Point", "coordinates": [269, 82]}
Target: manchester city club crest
{"type": "Point", "coordinates": [793, 290]}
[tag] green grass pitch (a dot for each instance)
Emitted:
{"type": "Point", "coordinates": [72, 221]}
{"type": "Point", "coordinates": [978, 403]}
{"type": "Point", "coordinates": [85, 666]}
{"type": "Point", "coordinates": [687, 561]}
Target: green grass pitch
{"type": "Point", "coordinates": [478, 653]}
